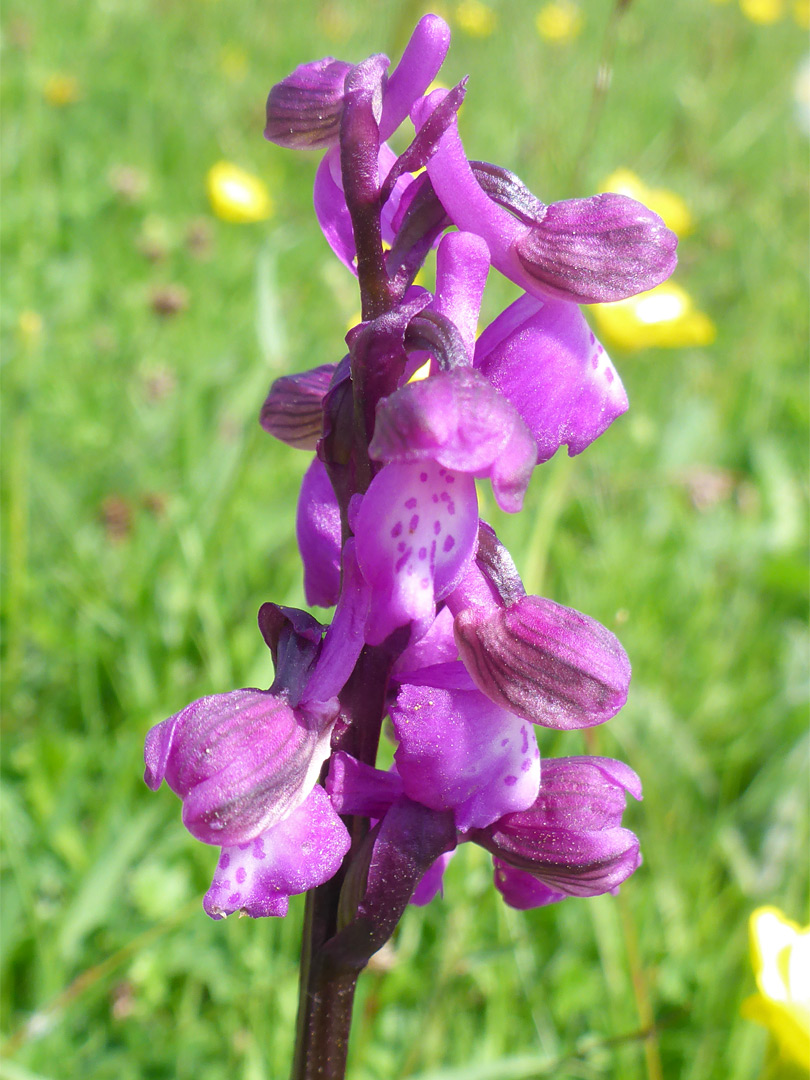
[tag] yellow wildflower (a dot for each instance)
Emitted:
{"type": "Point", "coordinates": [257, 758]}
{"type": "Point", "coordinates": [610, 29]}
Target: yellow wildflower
{"type": "Point", "coordinates": [29, 327]}
{"type": "Point", "coordinates": [61, 89]}
{"type": "Point", "coordinates": [236, 195]}
{"type": "Point", "coordinates": [763, 12]}
{"type": "Point", "coordinates": [559, 21]}
{"type": "Point", "coordinates": [664, 317]}
{"type": "Point", "coordinates": [475, 18]}
{"type": "Point", "coordinates": [801, 13]}
{"type": "Point", "coordinates": [667, 204]}
{"type": "Point", "coordinates": [780, 955]}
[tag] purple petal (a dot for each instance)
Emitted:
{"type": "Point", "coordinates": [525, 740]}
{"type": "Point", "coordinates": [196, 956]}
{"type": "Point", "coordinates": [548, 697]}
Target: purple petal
{"type": "Point", "coordinates": [344, 638]}
{"type": "Point", "coordinates": [304, 110]}
{"type": "Point", "coordinates": [522, 891]}
{"type": "Point", "coordinates": [460, 752]}
{"type": "Point", "coordinates": [596, 250]}
{"type": "Point", "coordinates": [544, 358]}
{"type": "Point", "coordinates": [545, 662]}
{"type": "Point", "coordinates": [458, 420]}
{"type": "Point", "coordinates": [462, 265]}
{"type": "Point", "coordinates": [357, 788]}
{"type": "Point", "coordinates": [437, 646]}
{"type": "Point", "coordinates": [423, 56]}
{"type": "Point", "coordinates": [318, 529]}
{"type": "Point", "coordinates": [299, 853]}
{"type": "Point", "coordinates": [241, 762]}
{"type": "Point", "coordinates": [293, 410]}
{"type": "Point", "coordinates": [416, 531]}
{"type": "Point", "coordinates": [431, 884]}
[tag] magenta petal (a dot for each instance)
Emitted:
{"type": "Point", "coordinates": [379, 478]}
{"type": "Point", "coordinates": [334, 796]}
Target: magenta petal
{"type": "Point", "coordinates": [431, 884]}
{"type": "Point", "coordinates": [548, 663]}
{"type": "Point", "coordinates": [240, 762]}
{"type": "Point", "coordinates": [304, 110]}
{"type": "Point", "coordinates": [462, 265]}
{"type": "Point", "coordinates": [458, 420]}
{"type": "Point", "coordinates": [544, 358]}
{"type": "Point", "coordinates": [331, 209]}
{"type": "Point", "coordinates": [357, 788]}
{"type": "Point", "coordinates": [317, 526]}
{"type": "Point", "coordinates": [436, 646]}
{"type": "Point", "coordinates": [423, 56]}
{"type": "Point", "coordinates": [299, 853]}
{"type": "Point", "coordinates": [460, 752]}
{"type": "Point", "coordinates": [522, 891]}
{"type": "Point", "coordinates": [597, 250]}
{"type": "Point", "coordinates": [416, 531]}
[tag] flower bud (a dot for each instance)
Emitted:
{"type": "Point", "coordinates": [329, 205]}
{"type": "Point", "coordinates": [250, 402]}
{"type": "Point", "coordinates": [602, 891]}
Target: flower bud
{"type": "Point", "coordinates": [545, 662]}
{"type": "Point", "coordinates": [304, 110]}
{"type": "Point", "coordinates": [241, 762]}
{"type": "Point", "coordinates": [594, 250]}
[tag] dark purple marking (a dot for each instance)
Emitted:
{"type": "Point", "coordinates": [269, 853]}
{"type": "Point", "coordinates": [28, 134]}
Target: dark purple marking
{"type": "Point", "coordinates": [595, 361]}
{"type": "Point", "coordinates": [524, 749]}
{"type": "Point", "coordinates": [609, 375]}
{"type": "Point", "coordinates": [410, 504]}
{"type": "Point", "coordinates": [397, 529]}
{"type": "Point", "coordinates": [510, 781]}
{"type": "Point", "coordinates": [449, 479]}
{"type": "Point", "coordinates": [422, 553]}
{"type": "Point", "coordinates": [526, 765]}
{"type": "Point", "coordinates": [423, 477]}
{"type": "Point", "coordinates": [241, 874]}
{"type": "Point", "coordinates": [412, 524]}
{"type": "Point", "coordinates": [401, 545]}
{"type": "Point", "coordinates": [445, 497]}
{"type": "Point", "coordinates": [435, 498]}
{"type": "Point", "coordinates": [402, 560]}
{"type": "Point", "coordinates": [224, 861]}
{"type": "Point", "coordinates": [437, 528]}
{"type": "Point", "coordinates": [504, 742]}
{"type": "Point", "coordinates": [258, 848]}
{"type": "Point", "coordinates": [449, 543]}
{"type": "Point", "coordinates": [600, 349]}
{"type": "Point", "coordinates": [234, 898]}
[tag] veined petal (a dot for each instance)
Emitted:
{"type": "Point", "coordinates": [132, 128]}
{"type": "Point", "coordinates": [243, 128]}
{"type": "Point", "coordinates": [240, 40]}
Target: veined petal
{"type": "Point", "coordinates": [293, 409]}
{"type": "Point", "coordinates": [299, 853]}
{"type": "Point", "coordinates": [241, 762]}
{"type": "Point", "coordinates": [595, 250]}
{"type": "Point", "coordinates": [318, 529]}
{"type": "Point", "coordinates": [416, 531]}
{"type": "Point", "coordinates": [543, 357]}
{"type": "Point", "coordinates": [458, 420]}
{"type": "Point", "coordinates": [547, 663]}
{"type": "Point", "coordinates": [460, 752]}
{"type": "Point", "coordinates": [303, 110]}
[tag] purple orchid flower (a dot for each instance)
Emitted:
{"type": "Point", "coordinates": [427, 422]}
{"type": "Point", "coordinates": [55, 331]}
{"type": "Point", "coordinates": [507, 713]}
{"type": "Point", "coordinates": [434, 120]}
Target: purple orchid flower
{"type": "Point", "coordinates": [432, 627]}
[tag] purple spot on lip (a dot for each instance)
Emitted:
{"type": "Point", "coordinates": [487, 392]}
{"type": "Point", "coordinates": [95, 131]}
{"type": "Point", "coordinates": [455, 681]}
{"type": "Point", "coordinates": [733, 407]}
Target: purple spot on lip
{"type": "Point", "coordinates": [435, 498]}
{"type": "Point", "coordinates": [224, 861]}
{"type": "Point", "coordinates": [526, 765]}
{"type": "Point", "coordinates": [234, 898]}
{"type": "Point", "coordinates": [437, 528]}
{"type": "Point", "coordinates": [397, 529]}
{"type": "Point", "coordinates": [413, 522]}
{"type": "Point", "coordinates": [449, 543]}
{"type": "Point", "coordinates": [609, 375]}
{"type": "Point", "coordinates": [258, 848]}
{"type": "Point", "coordinates": [524, 748]}
{"type": "Point", "coordinates": [241, 874]}
{"type": "Point", "coordinates": [593, 338]}
{"type": "Point", "coordinates": [595, 361]}
{"type": "Point", "coordinates": [510, 781]}
{"type": "Point", "coordinates": [422, 553]}
{"type": "Point", "coordinates": [401, 545]}
{"type": "Point", "coordinates": [444, 497]}
{"type": "Point", "coordinates": [449, 479]}
{"type": "Point", "coordinates": [402, 560]}
{"type": "Point", "coordinates": [504, 742]}
{"type": "Point", "coordinates": [423, 477]}
{"type": "Point", "coordinates": [410, 504]}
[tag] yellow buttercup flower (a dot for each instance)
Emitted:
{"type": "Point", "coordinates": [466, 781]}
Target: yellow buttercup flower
{"type": "Point", "coordinates": [236, 195]}
{"type": "Point", "coordinates": [664, 317]}
{"type": "Point", "coordinates": [475, 18]}
{"type": "Point", "coordinates": [559, 21]}
{"type": "Point", "coordinates": [61, 89]}
{"type": "Point", "coordinates": [667, 204]}
{"type": "Point", "coordinates": [780, 955]}
{"type": "Point", "coordinates": [763, 12]}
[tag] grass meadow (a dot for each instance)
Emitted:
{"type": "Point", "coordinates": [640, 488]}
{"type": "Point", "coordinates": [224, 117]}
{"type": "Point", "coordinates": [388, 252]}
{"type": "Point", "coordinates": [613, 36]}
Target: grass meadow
{"type": "Point", "coordinates": [146, 517]}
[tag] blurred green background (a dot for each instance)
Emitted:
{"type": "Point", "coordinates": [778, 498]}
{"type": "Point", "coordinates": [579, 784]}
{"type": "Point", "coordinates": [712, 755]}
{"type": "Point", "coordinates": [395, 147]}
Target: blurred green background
{"type": "Point", "coordinates": [146, 517]}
